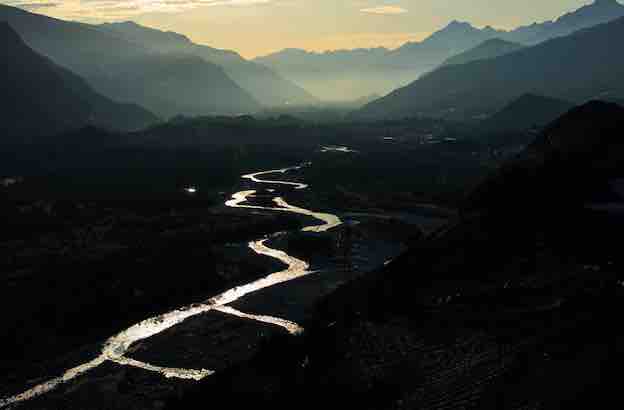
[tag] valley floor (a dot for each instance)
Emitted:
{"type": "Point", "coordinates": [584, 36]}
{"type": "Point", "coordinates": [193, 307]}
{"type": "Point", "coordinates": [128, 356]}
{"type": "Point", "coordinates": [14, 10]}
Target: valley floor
{"type": "Point", "coordinates": [192, 254]}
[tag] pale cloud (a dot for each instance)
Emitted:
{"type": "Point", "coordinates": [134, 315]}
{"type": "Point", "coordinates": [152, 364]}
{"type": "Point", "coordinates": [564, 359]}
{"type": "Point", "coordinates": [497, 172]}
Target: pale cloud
{"type": "Point", "coordinates": [386, 10]}
{"type": "Point", "coordinates": [96, 10]}
{"type": "Point", "coordinates": [256, 27]}
{"type": "Point", "coordinates": [38, 5]}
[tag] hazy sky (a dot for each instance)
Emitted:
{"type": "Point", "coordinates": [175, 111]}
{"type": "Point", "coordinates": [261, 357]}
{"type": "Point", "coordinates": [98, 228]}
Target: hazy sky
{"type": "Point", "coordinates": [255, 27]}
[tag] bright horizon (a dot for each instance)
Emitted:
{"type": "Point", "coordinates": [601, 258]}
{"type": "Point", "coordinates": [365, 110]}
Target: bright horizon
{"type": "Point", "coordinates": [259, 27]}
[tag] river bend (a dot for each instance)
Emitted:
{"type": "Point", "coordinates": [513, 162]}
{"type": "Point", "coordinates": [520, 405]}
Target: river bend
{"type": "Point", "coordinates": [116, 347]}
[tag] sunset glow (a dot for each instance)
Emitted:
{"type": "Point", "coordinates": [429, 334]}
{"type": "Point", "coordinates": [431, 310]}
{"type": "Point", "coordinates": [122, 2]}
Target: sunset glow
{"type": "Point", "coordinates": [265, 26]}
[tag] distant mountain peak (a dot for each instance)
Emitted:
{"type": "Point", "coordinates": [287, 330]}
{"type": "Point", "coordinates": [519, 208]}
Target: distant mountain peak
{"type": "Point", "coordinates": [456, 36]}
{"type": "Point", "coordinates": [458, 25]}
{"type": "Point", "coordinates": [134, 29]}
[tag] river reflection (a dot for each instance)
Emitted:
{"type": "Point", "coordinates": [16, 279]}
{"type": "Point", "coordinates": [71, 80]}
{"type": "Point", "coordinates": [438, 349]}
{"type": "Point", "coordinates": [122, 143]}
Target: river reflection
{"type": "Point", "coordinates": [116, 347]}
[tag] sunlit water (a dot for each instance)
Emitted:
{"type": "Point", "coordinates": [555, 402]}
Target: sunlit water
{"type": "Point", "coordinates": [254, 177]}
{"type": "Point", "coordinates": [345, 150]}
{"type": "Point", "coordinates": [116, 347]}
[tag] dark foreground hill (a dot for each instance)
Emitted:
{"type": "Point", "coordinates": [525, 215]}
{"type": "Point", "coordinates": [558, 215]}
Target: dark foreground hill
{"type": "Point", "coordinates": [576, 68]}
{"type": "Point", "coordinates": [506, 309]}
{"type": "Point", "coordinates": [573, 158]}
{"type": "Point", "coordinates": [165, 83]}
{"type": "Point", "coordinates": [527, 111]}
{"type": "Point", "coordinates": [40, 97]}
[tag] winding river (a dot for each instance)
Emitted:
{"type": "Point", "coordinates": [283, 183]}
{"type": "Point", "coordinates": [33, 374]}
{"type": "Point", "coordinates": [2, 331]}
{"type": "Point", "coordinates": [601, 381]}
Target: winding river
{"type": "Point", "coordinates": [115, 348]}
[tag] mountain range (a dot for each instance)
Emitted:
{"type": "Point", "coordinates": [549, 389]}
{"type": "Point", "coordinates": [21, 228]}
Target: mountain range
{"type": "Point", "coordinates": [39, 97]}
{"type": "Point", "coordinates": [585, 65]}
{"type": "Point", "coordinates": [354, 73]}
{"type": "Point", "coordinates": [163, 72]}
{"type": "Point", "coordinates": [351, 74]}
{"type": "Point", "coordinates": [466, 71]}
{"type": "Point", "coordinates": [165, 83]}
{"type": "Point", "coordinates": [266, 86]}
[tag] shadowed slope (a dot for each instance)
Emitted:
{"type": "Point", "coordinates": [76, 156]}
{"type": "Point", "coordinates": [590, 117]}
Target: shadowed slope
{"type": "Point", "coordinates": [112, 66]}
{"type": "Point", "coordinates": [39, 97]}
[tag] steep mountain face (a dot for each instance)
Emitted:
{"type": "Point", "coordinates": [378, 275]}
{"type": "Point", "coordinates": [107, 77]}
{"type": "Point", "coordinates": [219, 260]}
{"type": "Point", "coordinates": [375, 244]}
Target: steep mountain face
{"type": "Point", "coordinates": [579, 67]}
{"type": "Point", "coordinates": [262, 83]}
{"type": "Point", "coordinates": [451, 40]}
{"type": "Point", "coordinates": [488, 49]}
{"type": "Point", "coordinates": [41, 98]}
{"type": "Point", "coordinates": [349, 74]}
{"type": "Point", "coordinates": [527, 111]}
{"type": "Point", "coordinates": [111, 65]}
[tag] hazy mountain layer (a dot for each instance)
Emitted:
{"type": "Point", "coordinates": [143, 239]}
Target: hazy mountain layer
{"type": "Point", "coordinates": [40, 97]}
{"type": "Point", "coordinates": [349, 74]}
{"type": "Point", "coordinates": [265, 85]}
{"type": "Point", "coordinates": [112, 65]}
